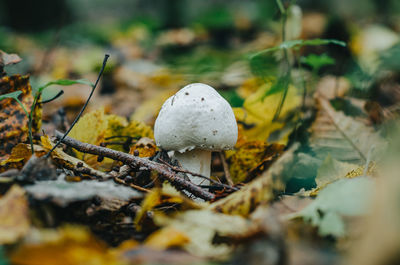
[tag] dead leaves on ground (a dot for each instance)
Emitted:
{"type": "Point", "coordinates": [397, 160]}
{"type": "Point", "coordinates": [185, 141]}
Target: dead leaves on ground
{"type": "Point", "coordinates": [68, 245]}
{"type": "Point", "coordinates": [343, 137]}
{"type": "Point", "coordinates": [114, 131]}
{"type": "Point", "coordinates": [14, 125]}
{"type": "Point", "coordinates": [14, 219]}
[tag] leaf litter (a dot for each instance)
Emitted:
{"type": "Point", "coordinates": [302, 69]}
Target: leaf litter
{"type": "Point", "coordinates": [313, 161]}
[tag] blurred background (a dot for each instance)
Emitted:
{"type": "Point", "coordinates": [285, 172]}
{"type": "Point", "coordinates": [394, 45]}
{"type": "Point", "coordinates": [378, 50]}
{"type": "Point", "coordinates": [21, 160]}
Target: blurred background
{"type": "Point", "coordinates": [159, 46]}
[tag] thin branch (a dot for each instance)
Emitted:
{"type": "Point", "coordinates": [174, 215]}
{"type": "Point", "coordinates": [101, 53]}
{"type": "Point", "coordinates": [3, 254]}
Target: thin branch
{"type": "Point", "coordinates": [136, 162]}
{"type": "Point", "coordinates": [177, 169]}
{"type": "Point", "coordinates": [83, 108]}
{"type": "Point", "coordinates": [81, 169]}
{"type": "Point", "coordinates": [136, 187]}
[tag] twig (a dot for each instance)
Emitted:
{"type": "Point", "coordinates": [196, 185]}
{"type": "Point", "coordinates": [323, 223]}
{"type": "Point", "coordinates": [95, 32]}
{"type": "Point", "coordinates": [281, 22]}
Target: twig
{"type": "Point", "coordinates": [135, 162]}
{"type": "Point", "coordinates": [177, 169]}
{"type": "Point", "coordinates": [83, 108]}
{"type": "Point", "coordinates": [226, 169]}
{"type": "Point", "coordinates": [89, 171]}
{"type": "Point", "coordinates": [136, 187]}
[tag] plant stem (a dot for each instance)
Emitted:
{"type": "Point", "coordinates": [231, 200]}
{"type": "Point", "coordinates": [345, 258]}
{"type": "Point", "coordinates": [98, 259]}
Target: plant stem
{"type": "Point", "coordinates": [286, 59]}
{"type": "Point", "coordinates": [83, 108]}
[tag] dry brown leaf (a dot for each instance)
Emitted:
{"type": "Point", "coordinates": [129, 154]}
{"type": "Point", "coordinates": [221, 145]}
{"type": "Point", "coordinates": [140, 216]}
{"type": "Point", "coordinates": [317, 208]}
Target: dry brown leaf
{"type": "Point", "coordinates": [14, 219]}
{"type": "Point", "coordinates": [7, 59]}
{"type": "Point", "coordinates": [14, 122]}
{"type": "Point", "coordinates": [343, 137]}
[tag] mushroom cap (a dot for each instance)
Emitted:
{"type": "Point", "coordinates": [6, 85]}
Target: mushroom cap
{"type": "Point", "coordinates": [196, 117]}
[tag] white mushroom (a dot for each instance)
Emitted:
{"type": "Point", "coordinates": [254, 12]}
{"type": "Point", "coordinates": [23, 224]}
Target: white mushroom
{"type": "Point", "coordinates": [193, 123]}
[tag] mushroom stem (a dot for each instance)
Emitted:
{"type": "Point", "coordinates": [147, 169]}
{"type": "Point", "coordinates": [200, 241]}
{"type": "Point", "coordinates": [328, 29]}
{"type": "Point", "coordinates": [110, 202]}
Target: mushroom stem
{"type": "Point", "coordinates": [196, 161]}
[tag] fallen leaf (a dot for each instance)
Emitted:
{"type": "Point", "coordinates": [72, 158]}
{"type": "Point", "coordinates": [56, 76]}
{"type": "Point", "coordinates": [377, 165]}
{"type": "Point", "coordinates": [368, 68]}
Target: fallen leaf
{"type": "Point", "coordinates": [65, 160]}
{"type": "Point", "coordinates": [20, 154]}
{"type": "Point", "coordinates": [166, 238]}
{"type": "Point", "coordinates": [343, 137]}
{"type": "Point", "coordinates": [251, 158]}
{"type": "Point", "coordinates": [145, 146]}
{"type": "Point", "coordinates": [14, 122]}
{"type": "Point", "coordinates": [258, 112]}
{"type": "Point", "coordinates": [63, 192]}
{"type": "Point", "coordinates": [96, 127]}
{"type": "Point", "coordinates": [201, 226]}
{"type": "Point", "coordinates": [147, 112]}
{"type": "Point", "coordinates": [7, 59]}
{"type": "Point", "coordinates": [345, 197]}
{"type": "Point", "coordinates": [259, 190]}
{"type": "Point", "coordinates": [378, 241]}
{"type": "Point", "coordinates": [162, 196]}
{"type": "Point", "coordinates": [14, 215]}
{"type": "Point", "coordinates": [67, 245]}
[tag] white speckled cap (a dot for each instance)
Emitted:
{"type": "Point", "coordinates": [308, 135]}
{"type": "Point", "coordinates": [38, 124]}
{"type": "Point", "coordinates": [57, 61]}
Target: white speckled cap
{"type": "Point", "coordinates": [196, 117]}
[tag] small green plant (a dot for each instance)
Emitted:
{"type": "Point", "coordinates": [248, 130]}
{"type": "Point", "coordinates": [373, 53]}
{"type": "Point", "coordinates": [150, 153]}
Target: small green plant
{"type": "Point", "coordinates": [39, 91]}
{"type": "Point", "coordinates": [263, 63]}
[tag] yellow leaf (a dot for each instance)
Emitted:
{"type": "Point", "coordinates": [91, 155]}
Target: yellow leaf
{"type": "Point", "coordinates": [96, 127]}
{"type": "Point", "coordinates": [158, 196]}
{"type": "Point", "coordinates": [91, 127]}
{"type": "Point", "coordinates": [63, 159]}
{"type": "Point", "coordinates": [145, 146]}
{"type": "Point", "coordinates": [20, 154]}
{"type": "Point", "coordinates": [259, 190]}
{"type": "Point", "coordinates": [251, 157]}
{"type": "Point", "coordinates": [166, 238]}
{"type": "Point", "coordinates": [68, 245]}
{"type": "Point", "coordinates": [14, 219]}
{"type": "Point", "coordinates": [258, 113]}
{"type": "Point", "coordinates": [148, 110]}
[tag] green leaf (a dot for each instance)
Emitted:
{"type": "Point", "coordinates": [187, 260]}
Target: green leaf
{"type": "Point", "coordinates": [264, 66]}
{"type": "Point", "coordinates": [64, 82]}
{"type": "Point", "coordinates": [13, 95]}
{"type": "Point", "coordinates": [295, 44]}
{"type": "Point", "coordinates": [317, 61]}
{"type": "Point", "coordinates": [281, 85]}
